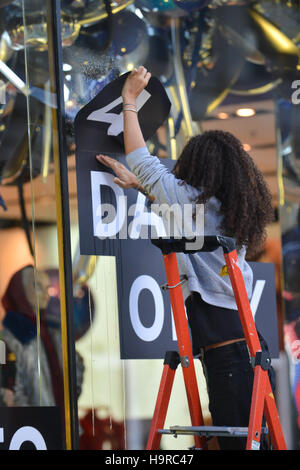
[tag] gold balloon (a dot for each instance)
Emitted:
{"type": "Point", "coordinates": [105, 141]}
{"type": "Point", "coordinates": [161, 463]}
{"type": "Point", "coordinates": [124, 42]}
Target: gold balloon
{"type": "Point", "coordinates": [279, 42]}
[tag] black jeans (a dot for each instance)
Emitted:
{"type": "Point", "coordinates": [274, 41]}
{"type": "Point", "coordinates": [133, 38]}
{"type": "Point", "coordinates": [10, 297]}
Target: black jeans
{"type": "Point", "coordinates": [229, 376]}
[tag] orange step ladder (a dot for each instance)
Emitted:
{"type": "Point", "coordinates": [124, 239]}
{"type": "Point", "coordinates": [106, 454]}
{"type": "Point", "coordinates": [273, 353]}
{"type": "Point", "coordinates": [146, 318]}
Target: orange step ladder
{"type": "Point", "coordinates": [263, 401]}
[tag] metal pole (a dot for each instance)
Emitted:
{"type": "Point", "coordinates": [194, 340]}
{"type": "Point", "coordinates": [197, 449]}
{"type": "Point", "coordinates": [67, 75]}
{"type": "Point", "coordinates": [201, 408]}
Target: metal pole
{"type": "Point", "coordinates": [63, 225]}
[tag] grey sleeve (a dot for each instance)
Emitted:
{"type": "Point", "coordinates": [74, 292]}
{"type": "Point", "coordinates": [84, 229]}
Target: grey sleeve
{"type": "Point", "coordinates": [156, 179]}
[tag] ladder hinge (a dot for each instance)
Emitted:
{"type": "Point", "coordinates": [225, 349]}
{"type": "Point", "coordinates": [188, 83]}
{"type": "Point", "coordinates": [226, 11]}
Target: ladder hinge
{"type": "Point", "coordinates": [184, 360]}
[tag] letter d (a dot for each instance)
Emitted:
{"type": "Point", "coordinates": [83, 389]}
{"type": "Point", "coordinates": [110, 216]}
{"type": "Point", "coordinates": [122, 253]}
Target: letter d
{"type": "Point", "coordinates": [112, 227]}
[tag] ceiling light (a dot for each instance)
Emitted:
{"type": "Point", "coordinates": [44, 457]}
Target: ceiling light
{"type": "Point", "coordinates": [69, 103]}
{"type": "Point", "coordinates": [245, 112]}
{"type": "Point", "coordinates": [67, 67]}
{"type": "Point", "coordinates": [222, 115]}
{"type": "Point", "coordinates": [247, 147]}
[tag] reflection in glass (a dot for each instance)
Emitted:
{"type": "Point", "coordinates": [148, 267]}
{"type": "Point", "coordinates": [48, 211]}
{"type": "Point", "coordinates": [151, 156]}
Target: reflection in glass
{"type": "Point", "coordinates": [289, 182]}
{"type": "Point", "coordinates": [34, 33]}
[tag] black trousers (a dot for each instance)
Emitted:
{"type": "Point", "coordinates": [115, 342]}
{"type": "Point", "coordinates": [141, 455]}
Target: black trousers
{"type": "Point", "coordinates": [229, 375]}
{"type": "Point", "coordinates": [227, 369]}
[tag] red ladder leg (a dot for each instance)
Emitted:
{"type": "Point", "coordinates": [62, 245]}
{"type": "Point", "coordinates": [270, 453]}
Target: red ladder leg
{"type": "Point", "coordinates": [163, 397]}
{"type": "Point", "coordinates": [184, 344]}
{"type": "Point", "coordinates": [242, 301]}
{"type": "Point", "coordinates": [250, 332]}
{"type": "Point", "coordinates": [257, 408]}
{"type": "Point", "coordinates": [273, 421]}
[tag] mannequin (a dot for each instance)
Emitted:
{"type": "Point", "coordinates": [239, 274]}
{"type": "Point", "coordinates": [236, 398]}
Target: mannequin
{"type": "Point", "coordinates": [38, 379]}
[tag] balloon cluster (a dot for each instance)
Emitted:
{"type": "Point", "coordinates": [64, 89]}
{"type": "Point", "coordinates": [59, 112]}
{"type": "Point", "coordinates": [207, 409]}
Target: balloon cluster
{"type": "Point", "coordinates": [220, 46]}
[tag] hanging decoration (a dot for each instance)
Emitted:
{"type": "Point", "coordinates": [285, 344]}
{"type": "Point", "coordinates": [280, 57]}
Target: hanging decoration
{"type": "Point", "coordinates": [205, 57]}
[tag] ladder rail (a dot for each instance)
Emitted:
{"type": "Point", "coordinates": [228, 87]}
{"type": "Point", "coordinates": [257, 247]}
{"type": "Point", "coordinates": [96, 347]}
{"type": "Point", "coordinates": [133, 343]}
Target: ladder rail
{"type": "Point", "coordinates": [242, 302]}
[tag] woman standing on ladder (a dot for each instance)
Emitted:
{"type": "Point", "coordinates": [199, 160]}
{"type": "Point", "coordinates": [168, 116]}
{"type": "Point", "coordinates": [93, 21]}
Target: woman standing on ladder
{"type": "Point", "coordinates": [215, 170]}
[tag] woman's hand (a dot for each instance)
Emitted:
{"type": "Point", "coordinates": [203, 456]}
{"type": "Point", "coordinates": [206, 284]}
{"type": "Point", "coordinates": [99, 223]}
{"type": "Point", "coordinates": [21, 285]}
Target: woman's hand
{"type": "Point", "coordinates": [125, 179]}
{"type": "Point", "coordinates": [134, 84]}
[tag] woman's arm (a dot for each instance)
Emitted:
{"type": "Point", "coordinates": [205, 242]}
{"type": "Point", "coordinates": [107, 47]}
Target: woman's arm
{"type": "Point", "coordinates": [136, 81]}
{"type": "Point", "coordinates": [146, 173]}
{"type": "Point", "coordinates": [124, 177]}
{"type": "Point", "coordinates": [133, 86]}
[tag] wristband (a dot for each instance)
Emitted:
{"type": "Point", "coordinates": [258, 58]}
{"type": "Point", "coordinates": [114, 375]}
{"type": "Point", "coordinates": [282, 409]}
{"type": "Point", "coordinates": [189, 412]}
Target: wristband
{"type": "Point", "coordinates": [141, 190]}
{"type": "Point", "coordinates": [133, 110]}
{"type": "Point", "coordinates": [130, 105]}
{"type": "Point", "coordinates": [126, 105]}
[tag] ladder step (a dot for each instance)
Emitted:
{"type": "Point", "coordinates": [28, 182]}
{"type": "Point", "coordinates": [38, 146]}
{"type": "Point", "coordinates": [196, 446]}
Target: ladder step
{"type": "Point", "coordinates": [209, 431]}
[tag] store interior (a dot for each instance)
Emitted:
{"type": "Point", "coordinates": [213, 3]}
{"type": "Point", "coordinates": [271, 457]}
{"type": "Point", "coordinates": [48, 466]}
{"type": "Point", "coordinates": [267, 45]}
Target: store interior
{"type": "Point", "coordinates": [225, 64]}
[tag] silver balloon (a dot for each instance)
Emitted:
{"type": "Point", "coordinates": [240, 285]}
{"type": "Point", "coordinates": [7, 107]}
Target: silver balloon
{"type": "Point", "coordinates": [34, 33]}
{"type": "Point", "coordinates": [262, 40]}
{"type": "Point", "coordinates": [247, 42]}
{"type": "Point", "coordinates": [130, 44]}
{"type": "Point", "coordinates": [160, 60]}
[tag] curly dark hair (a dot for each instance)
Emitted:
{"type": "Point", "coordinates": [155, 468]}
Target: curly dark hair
{"type": "Point", "coordinates": [216, 163]}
